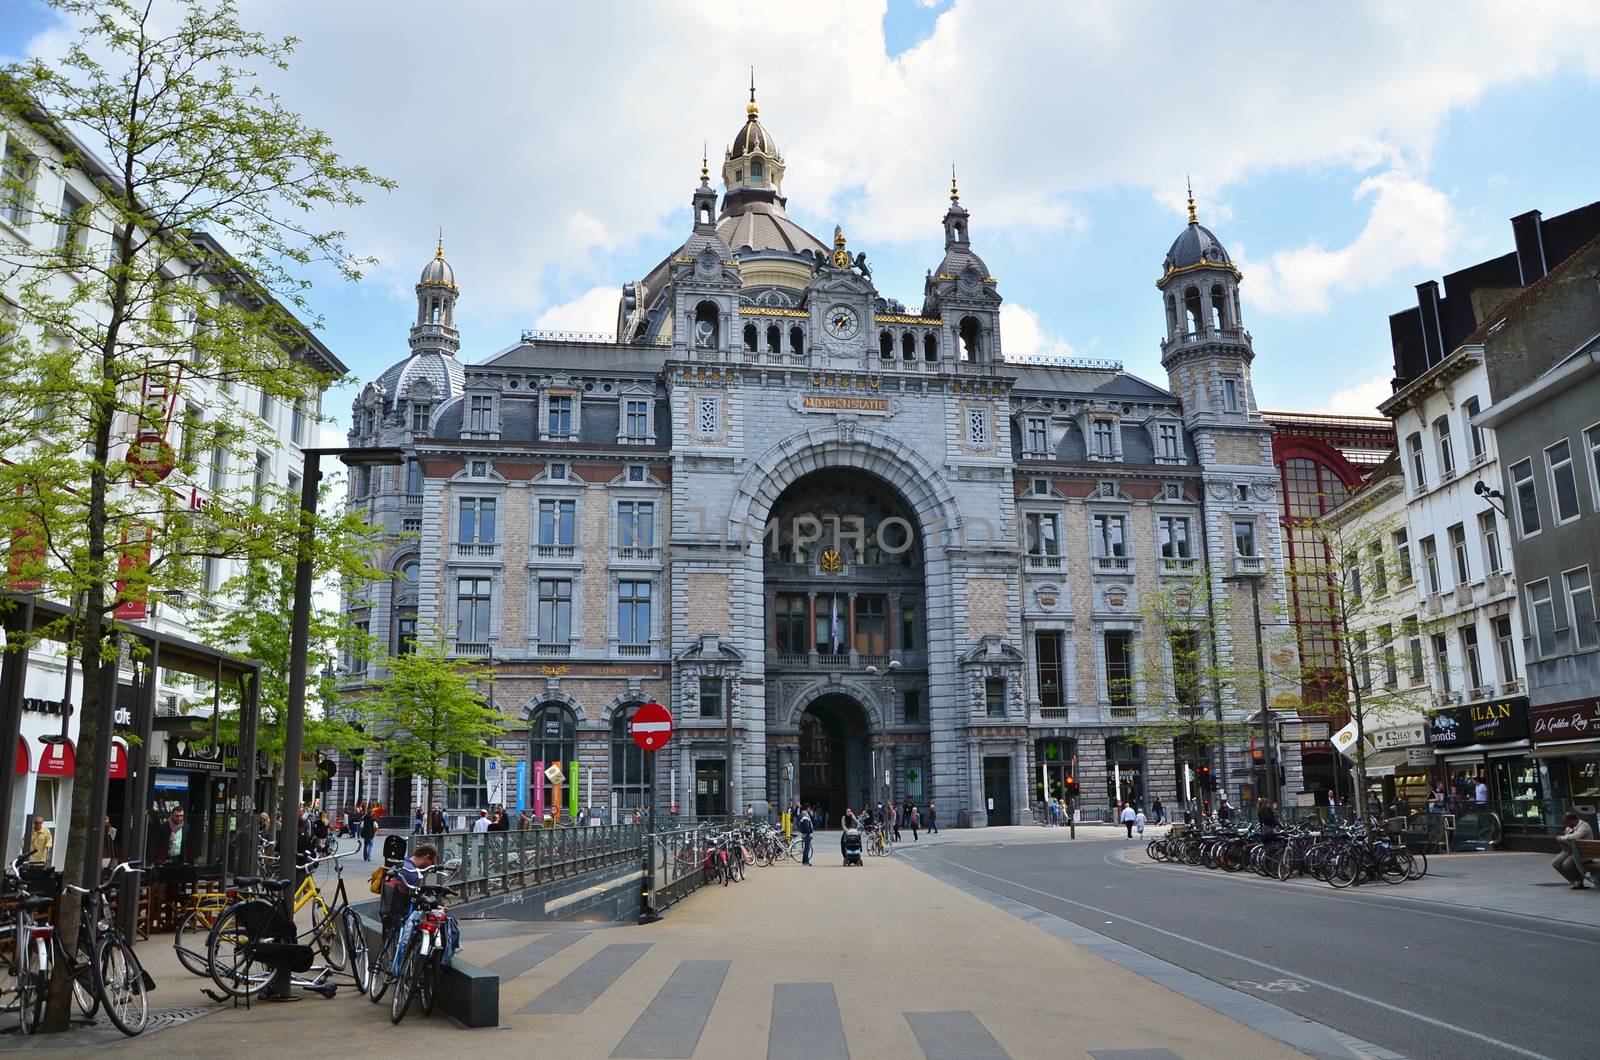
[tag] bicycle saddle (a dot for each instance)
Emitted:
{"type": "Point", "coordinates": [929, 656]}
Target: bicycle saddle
{"type": "Point", "coordinates": [40, 902]}
{"type": "Point", "coordinates": [261, 881]}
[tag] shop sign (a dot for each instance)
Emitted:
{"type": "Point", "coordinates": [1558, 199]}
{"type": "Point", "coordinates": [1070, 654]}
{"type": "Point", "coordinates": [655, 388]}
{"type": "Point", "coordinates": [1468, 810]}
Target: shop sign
{"type": "Point", "coordinates": [1570, 721]}
{"type": "Point", "coordinates": [46, 706]}
{"type": "Point", "coordinates": [1404, 736]}
{"type": "Point", "coordinates": [196, 758]}
{"type": "Point", "coordinates": [1497, 721]}
{"type": "Point", "coordinates": [1420, 756]}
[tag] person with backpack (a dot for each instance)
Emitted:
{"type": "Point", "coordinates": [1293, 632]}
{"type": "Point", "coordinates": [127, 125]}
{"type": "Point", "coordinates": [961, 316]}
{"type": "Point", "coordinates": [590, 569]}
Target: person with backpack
{"type": "Point", "coordinates": [806, 828]}
{"type": "Point", "coordinates": [369, 829]}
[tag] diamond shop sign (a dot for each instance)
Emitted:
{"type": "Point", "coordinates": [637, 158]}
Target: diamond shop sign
{"type": "Point", "coordinates": [1567, 721]}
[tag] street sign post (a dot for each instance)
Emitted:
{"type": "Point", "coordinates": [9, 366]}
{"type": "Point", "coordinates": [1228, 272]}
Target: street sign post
{"type": "Point", "coordinates": [651, 728]}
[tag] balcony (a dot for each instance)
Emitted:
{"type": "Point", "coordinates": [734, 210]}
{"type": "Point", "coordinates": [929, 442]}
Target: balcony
{"type": "Point", "coordinates": [1052, 713]}
{"type": "Point", "coordinates": [552, 648]}
{"type": "Point", "coordinates": [470, 647]}
{"type": "Point", "coordinates": [554, 551]}
{"type": "Point", "coordinates": [636, 554]}
{"type": "Point", "coordinates": [790, 660]}
{"type": "Point", "coordinates": [1122, 712]}
{"type": "Point", "coordinates": [634, 651]}
{"type": "Point", "coordinates": [841, 661]}
{"type": "Point", "coordinates": [1043, 561]}
{"type": "Point", "coordinates": [413, 500]}
{"type": "Point", "coordinates": [1496, 583]}
{"type": "Point", "coordinates": [475, 549]}
{"type": "Point", "coordinates": [1112, 564]}
{"type": "Point", "coordinates": [1179, 565]}
{"type": "Point", "coordinates": [1249, 565]}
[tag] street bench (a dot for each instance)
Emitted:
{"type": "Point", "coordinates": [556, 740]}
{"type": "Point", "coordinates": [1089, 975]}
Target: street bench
{"type": "Point", "coordinates": [1589, 857]}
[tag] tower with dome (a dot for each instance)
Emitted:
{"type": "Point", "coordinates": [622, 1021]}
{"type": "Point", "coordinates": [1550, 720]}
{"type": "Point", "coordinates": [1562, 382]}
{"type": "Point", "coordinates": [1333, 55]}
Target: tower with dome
{"type": "Point", "coordinates": [856, 551]}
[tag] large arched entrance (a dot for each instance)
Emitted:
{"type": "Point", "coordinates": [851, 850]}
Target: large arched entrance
{"type": "Point", "coordinates": [835, 768]}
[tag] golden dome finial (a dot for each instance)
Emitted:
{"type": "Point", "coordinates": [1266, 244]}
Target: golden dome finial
{"type": "Point", "coordinates": [705, 171]}
{"type": "Point", "coordinates": [752, 109]}
{"type": "Point", "coordinates": [1192, 218]}
{"type": "Point", "coordinates": [955, 195]}
{"type": "Point", "coordinates": [438, 253]}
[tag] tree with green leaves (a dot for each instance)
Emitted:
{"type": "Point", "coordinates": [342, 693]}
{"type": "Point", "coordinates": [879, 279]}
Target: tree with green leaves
{"type": "Point", "coordinates": [428, 708]}
{"type": "Point", "coordinates": [173, 263]}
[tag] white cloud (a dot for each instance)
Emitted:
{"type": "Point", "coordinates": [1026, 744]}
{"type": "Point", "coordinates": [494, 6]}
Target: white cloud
{"type": "Point", "coordinates": [1361, 399]}
{"type": "Point", "coordinates": [1025, 339]}
{"type": "Point", "coordinates": [595, 310]}
{"type": "Point", "coordinates": [1411, 226]}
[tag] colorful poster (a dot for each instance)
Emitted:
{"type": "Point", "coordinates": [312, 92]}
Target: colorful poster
{"type": "Point", "coordinates": [538, 790]}
{"type": "Point", "coordinates": [572, 791]}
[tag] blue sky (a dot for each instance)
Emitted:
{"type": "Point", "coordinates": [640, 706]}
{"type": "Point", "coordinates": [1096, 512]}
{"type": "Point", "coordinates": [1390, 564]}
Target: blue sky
{"type": "Point", "coordinates": [1342, 158]}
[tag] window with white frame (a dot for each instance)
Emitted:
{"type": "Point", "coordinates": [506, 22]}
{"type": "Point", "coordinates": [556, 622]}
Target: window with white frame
{"type": "Point", "coordinates": [1103, 435]}
{"type": "Point", "coordinates": [1441, 661]}
{"type": "Point", "coordinates": [633, 612]}
{"type": "Point", "coordinates": [472, 610]}
{"type": "Point", "coordinates": [413, 476]}
{"type": "Point", "coordinates": [1036, 435]}
{"type": "Point", "coordinates": [1506, 647]}
{"type": "Point", "coordinates": [557, 521]}
{"type": "Point", "coordinates": [1402, 557]}
{"type": "Point", "coordinates": [1469, 412]}
{"type": "Point", "coordinates": [1391, 667]}
{"type": "Point", "coordinates": [555, 610]}
{"type": "Point", "coordinates": [1470, 661]}
{"type": "Point", "coordinates": [1563, 482]}
{"type": "Point", "coordinates": [1527, 497]}
{"type": "Point", "coordinates": [1419, 466]}
{"type": "Point", "coordinates": [636, 524]}
{"type": "Point", "coordinates": [558, 417]}
{"type": "Point", "coordinates": [480, 413]}
{"type": "Point", "coordinates": [1412, 631]}
{"type": "Point", "coordinates": [1543, 610]}
{"type": "Point", "coordinates": [1363, 663]}
{"type": "Point", "coordinates": [1380, 568]}
{"type": "Point", "coordinates": [421, 416]}
{"type": "Point", "coordinates": [1580, 605]}
{"type": "Point", "coordinates": [1044, 538]}
{"type": "Point", "coordinates": [1430, 562]}
{"type": "Point", "coordinates": [1458, 551]}
{"type": "Point", "coordinates": [1447, 449]}
{"type": "Point", "coordinates": [978, 427]}
{"type": "Point", "coordinates": [476, 519]}
{"type": "Point", "coordinates": [1244, 538]}
{"type": "Point", "coordinates": [1108, 535]}
{"type": "Point", "coordinates": [708, 415]}
{"type": "Point", "coordinates": [72, 227]}
{"type": "Point", "coordinates": [16, 173]}
{"type": "Point", "coordinates": [1168, 446]}
{"type": "Point", "coordinates": [1489, 530]}
{"type": "Point", "coordinates": [1352, 567]}
{"type": "Point", "coordinates": [636, 419]}
{"type": "Point", "coordinates": [1591, 438]}
{"type": "Point", "coordinates": [359, 645]}
{"type": "Point", "coordinates": [1172, 534]}
{"type": "Point", "coordinates": [1118, 645]}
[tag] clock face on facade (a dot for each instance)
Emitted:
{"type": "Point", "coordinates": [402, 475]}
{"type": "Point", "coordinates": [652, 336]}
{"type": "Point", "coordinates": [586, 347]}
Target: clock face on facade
{"type": "Point", "coordinates": [841, 322]}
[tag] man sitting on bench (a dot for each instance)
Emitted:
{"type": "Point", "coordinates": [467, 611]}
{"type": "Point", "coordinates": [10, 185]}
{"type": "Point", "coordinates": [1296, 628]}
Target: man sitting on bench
{"type": "Point", "coordinates": [1569, 863]}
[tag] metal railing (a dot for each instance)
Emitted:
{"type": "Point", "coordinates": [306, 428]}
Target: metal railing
{"type": "Point", "coordinates": [679, 863]}
{"type": "Point", "coordinates": [496, 862]}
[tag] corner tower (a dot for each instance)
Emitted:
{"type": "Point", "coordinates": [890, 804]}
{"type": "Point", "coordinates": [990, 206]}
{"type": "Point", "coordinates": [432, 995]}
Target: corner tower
{"type": "Point", "coordinates": [435, 328]}
{"type": "Point", "coordinates": [962, 293]}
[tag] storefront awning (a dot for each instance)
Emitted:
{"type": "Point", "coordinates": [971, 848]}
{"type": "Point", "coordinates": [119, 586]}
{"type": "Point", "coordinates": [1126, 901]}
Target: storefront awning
{"type": "Point", "coordinates": [1570, 747]}
{"type": "Point", "coordinates": [1384, 763]}
{"type": "Point", "coordinates": [1478, 751]}
{"type": "Point", "coordinates": [57, 758]}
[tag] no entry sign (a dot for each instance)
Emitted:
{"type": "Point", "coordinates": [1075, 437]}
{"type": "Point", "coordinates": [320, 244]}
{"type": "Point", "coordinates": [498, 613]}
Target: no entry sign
{"type": "Point", "coordinates": [652, 726]}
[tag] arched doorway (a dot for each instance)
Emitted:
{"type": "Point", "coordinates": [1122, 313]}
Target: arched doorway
{"type": "Point", "coordinates": [835, 767]}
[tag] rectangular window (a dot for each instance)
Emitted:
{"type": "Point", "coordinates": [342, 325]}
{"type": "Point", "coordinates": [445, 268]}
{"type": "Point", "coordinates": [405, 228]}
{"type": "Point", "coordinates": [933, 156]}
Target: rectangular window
{"type": "Point", "coordinates": [358, 655]}
{"type": "Point", "coordinates": [363, 482]}
{"type": "Point", "coordinates": [708, 415]}
{"type": "Point", "coordinates": [789, 623]}
{"type": "Point", "coordinates": [911, 705]}
{"type": "Point", "coordinates": [263, 478]}
{"type": "Point", "coordinates": [1352, 566]}
{"type": "Point", "coordinates": [1185, 647]}
{"type": "Point", "coordinates": [1441, 661]}
{"type": "Point", "coordinates": [1109, 535]}
{"type": "Point", "coordinates": [1563, 482]}
{"type": "Point", "coordinates": [73, 225]}
{"type": "Point", "coordinates": [1047, 668]}
{"type": "Point", "coordinates": [557, 521]}
{"type": "Point", "coordinates": [1469, 410]}
{"type": "Point", "coordinates": [636, 420]}
{"type": "Point", "coordinates": [472, 610]}
{"type": "Point", "coordinates": [1043, 539]}
{"type": "Point", "coordinates": [421, 418]}
{"type": "Point", "coordinates": [555, 611]}
{"type": "Point", "coordinates": [994, 696]}
{"type": "Point", "coordinates": [297, 420]}
{"type": "Point", "coordinates": [711, 697]}
{"type": "Point", "coordinates": [1592, 438]}
{"type": "Point", "coordinates": [1527, 497]}
{"type": "Point", "coordinates": [633, 612]}
{"type": "Point", "coordinates": [1430, 562]}
{"type": "Point", "coordinates": [1506, 648]}
{"type": "Point", "coordinates": [1391, 668]}
{"type": "Point", "coordinates": [1230, 395]}
{"type": "Point", "coordinates": [908, 626]}
{"type": "Point", "coordinates": [559, 422]}
{"type": "Point", "coordinates": [1363, 663]}
{"type": "Point", "coordinates": [219, 469]}
{"type": "Point", "coordinates": [1244, 538]}
{"type": "Point", "coordinates": [1037, 437]}
{"type": "Point", "coordinates": [480, 413]}
{"type": "Point", "coordinates": [1580, 606]}
{"type": "Point", "coordinates": [1543, 610]}
{"type": "Point", "coordinates": [1380, 569]}
{"type": "Point", "coordinates": [636, 524]}
{"type": "Point", "coordinates": [1402, 557]}
{"type": "Point", "coordinates": [1102, 437]}
{"type": "Point", "coordinates": [1167, 440]}
{"type": "Point", "coordinates": [978, 427]}
{"type": "Point", "coordinates": [1447, 451]}
{"type": "Point", "coordinates": [1412, 631]}
{"type": "Point", "coordinates": [1419, 467]}
{"type": "Point", "coordinates": [1489, 529]}
{"type": "Point", "coordinates": [476, 523]}
{"type": "Point", "coordinates": [1119, 667]}
{"type": "Point", "coordinates": [211, 573]}
{"type": "Point", "coordinates": [872, 624]}
{"type": "Point", "coordinates": [15, 174]}
{"type": "Point", "coordinates": [1458, 550]}
{"type": "Point", "coordinates": [193, 417]}
{"type": "Point", "coordinates": [1469, 656]}
{"type": "Point", "coordinates": [1172, 534]}
{"type": "Point", "coordinates": [467, 783]}
{"type": "Point", "coordinates": [405, 639]}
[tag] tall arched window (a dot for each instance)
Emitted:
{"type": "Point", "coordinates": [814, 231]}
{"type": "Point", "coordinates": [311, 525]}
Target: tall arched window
{"type": "Point", "coordinates": [705, 326]}
{"type": "Point", "coordinates": [774, 339]}
{"type": "Point", "coordinates": [971, 339]}
{"type": "Point", "coordinates": [750, 336]}
{"type": "Point", "coordinates": [885, 345]}
{"type": "Point", "coordinates": [1219, 307]}
{"type": "Point", "coordinates": [627, 761]}
{"type": "Point", "coordinates": [1191, 309]}
{"type": "Point", "coordinates": [797, 340]}
{"type": "Point", "coordinates": [552, 737]}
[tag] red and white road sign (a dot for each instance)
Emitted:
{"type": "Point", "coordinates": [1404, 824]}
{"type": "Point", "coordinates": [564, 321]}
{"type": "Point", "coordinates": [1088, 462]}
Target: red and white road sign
{"type": "Point", "coordinates": [652, 726]}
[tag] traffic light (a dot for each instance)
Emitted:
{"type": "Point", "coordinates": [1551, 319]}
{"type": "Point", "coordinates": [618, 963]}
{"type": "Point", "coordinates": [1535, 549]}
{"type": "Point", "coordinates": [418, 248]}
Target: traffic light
{"type": "Point", "coordinates": [1072, 788]}
{"type": "Point", "coordinates": [1206, 780]}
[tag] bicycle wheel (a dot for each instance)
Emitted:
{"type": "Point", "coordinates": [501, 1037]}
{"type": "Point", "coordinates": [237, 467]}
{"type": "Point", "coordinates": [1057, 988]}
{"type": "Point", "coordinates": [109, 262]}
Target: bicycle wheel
{"type": "Point", "coordinates": [231, 958]}
{"type": "Point", "coordinates": [328, 936]}
{"type": "Point", "coordinates": [355, 940]}
{"type": "Point", "coordinates": [84, 992]}
{"type": "Point", "coordinates": [1395, 867]}
{"type": "Point", "coordinates": [405, 984]}
{"type": "Point", "coordinates": [383, 965]}
{"type": "Point", "coordinates": [1419, 865]}
{"type": "Point", "coordinates": [32, 981]}
{"type": "Point", "coordinates": [194, 929]}
{"type": "Point", "coordinates": [1345, 869]}
{"type": "Point", "coordinates": [122, 987]}
{"type": "Point", "coordinates": [428, 980]}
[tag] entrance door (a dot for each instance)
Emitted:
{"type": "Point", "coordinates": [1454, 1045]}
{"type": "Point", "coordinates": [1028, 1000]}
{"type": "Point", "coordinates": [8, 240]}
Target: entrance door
{"type": "Point", "coordinates": [710, 780]}
{"type": "Point", "coordinates": [997, 789]}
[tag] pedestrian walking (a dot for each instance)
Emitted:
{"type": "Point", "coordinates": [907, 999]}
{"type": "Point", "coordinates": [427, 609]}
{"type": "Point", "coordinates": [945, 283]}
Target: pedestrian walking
{"type": "Point", "coordinates": [440, 824]}
{"type": "Point", "coordinates": [1055, 813]}
{"type": "Point", "coordinates": [894, 822]}
{"type": "Point", "coordinates": [916, 822]}
{"type": "Point", "coordinates": [1158, 812]}
{"type": "Point", "coordinates": [1480, 792]}
{"type": "Point", "coordinates": [806, 828]}
{"type": "Point", "coordinates": [416, 819]}
{"type": "Point", "coordinates": [1128, 818]}
{"type": "Point", "coordinates": [933, 819]}
{"type": "Point", "coordinates": [1139, 822]}
{"type": "Point", "coordinates": [369, 829]}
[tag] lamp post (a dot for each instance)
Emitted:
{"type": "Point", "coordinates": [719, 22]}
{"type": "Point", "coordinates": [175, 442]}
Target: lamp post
{"type": "Point", "coordinates": [885, 678]}
{"type": "Point", "coordinates": [1270, 772]}
{"type": "Point", "coordinates": [299, 650]}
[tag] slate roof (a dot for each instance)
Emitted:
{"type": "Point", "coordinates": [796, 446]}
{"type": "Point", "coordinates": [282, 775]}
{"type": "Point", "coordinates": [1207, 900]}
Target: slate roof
{"type": "Point", "coordinates": [1194, 243]}
{"type": "Point", "coordinates": [442, 371]}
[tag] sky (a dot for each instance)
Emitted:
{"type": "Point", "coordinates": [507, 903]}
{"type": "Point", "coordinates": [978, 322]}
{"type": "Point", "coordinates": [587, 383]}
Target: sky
{"type": "Point", "coordinates": [1342, 153]}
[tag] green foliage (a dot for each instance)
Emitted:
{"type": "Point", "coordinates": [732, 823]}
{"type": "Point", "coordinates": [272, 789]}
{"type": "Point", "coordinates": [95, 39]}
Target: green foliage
{"type": "Point", "coordinates": [428, 709]}
{"type": "Point", "coordinates": [1183, 680]}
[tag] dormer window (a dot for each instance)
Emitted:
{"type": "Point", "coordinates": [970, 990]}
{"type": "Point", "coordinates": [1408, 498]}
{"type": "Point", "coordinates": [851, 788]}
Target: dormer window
{"type": "Point", "coordinates": [1104, 430]}
{"type": "Point", "coordinates": [480, 413]}
{"type": "Point", "coordinates": [1036, 439]}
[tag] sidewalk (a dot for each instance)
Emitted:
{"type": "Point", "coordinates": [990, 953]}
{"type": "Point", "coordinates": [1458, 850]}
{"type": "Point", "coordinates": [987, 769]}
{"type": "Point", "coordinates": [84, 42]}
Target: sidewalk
{"type": "Point", "coordinates": [822, 962]}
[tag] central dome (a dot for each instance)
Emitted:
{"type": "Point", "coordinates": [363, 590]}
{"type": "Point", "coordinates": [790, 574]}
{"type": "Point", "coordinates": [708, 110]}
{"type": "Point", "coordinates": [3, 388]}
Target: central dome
{"type": "Point", "coordinates": [753, 137]}
{"type": "Point", "coordinates": [1194, 245]}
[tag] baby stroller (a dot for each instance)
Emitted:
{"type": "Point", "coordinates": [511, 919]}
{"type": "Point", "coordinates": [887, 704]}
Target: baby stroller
{"type": "Point", "coordinates": [852, 846]}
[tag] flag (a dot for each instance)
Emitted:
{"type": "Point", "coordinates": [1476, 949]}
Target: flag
{"type": "Point", "coordinates": [835, 632]}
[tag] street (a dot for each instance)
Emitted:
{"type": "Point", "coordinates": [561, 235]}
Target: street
{"type": "Point", "coordinates": [1418, 978]}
